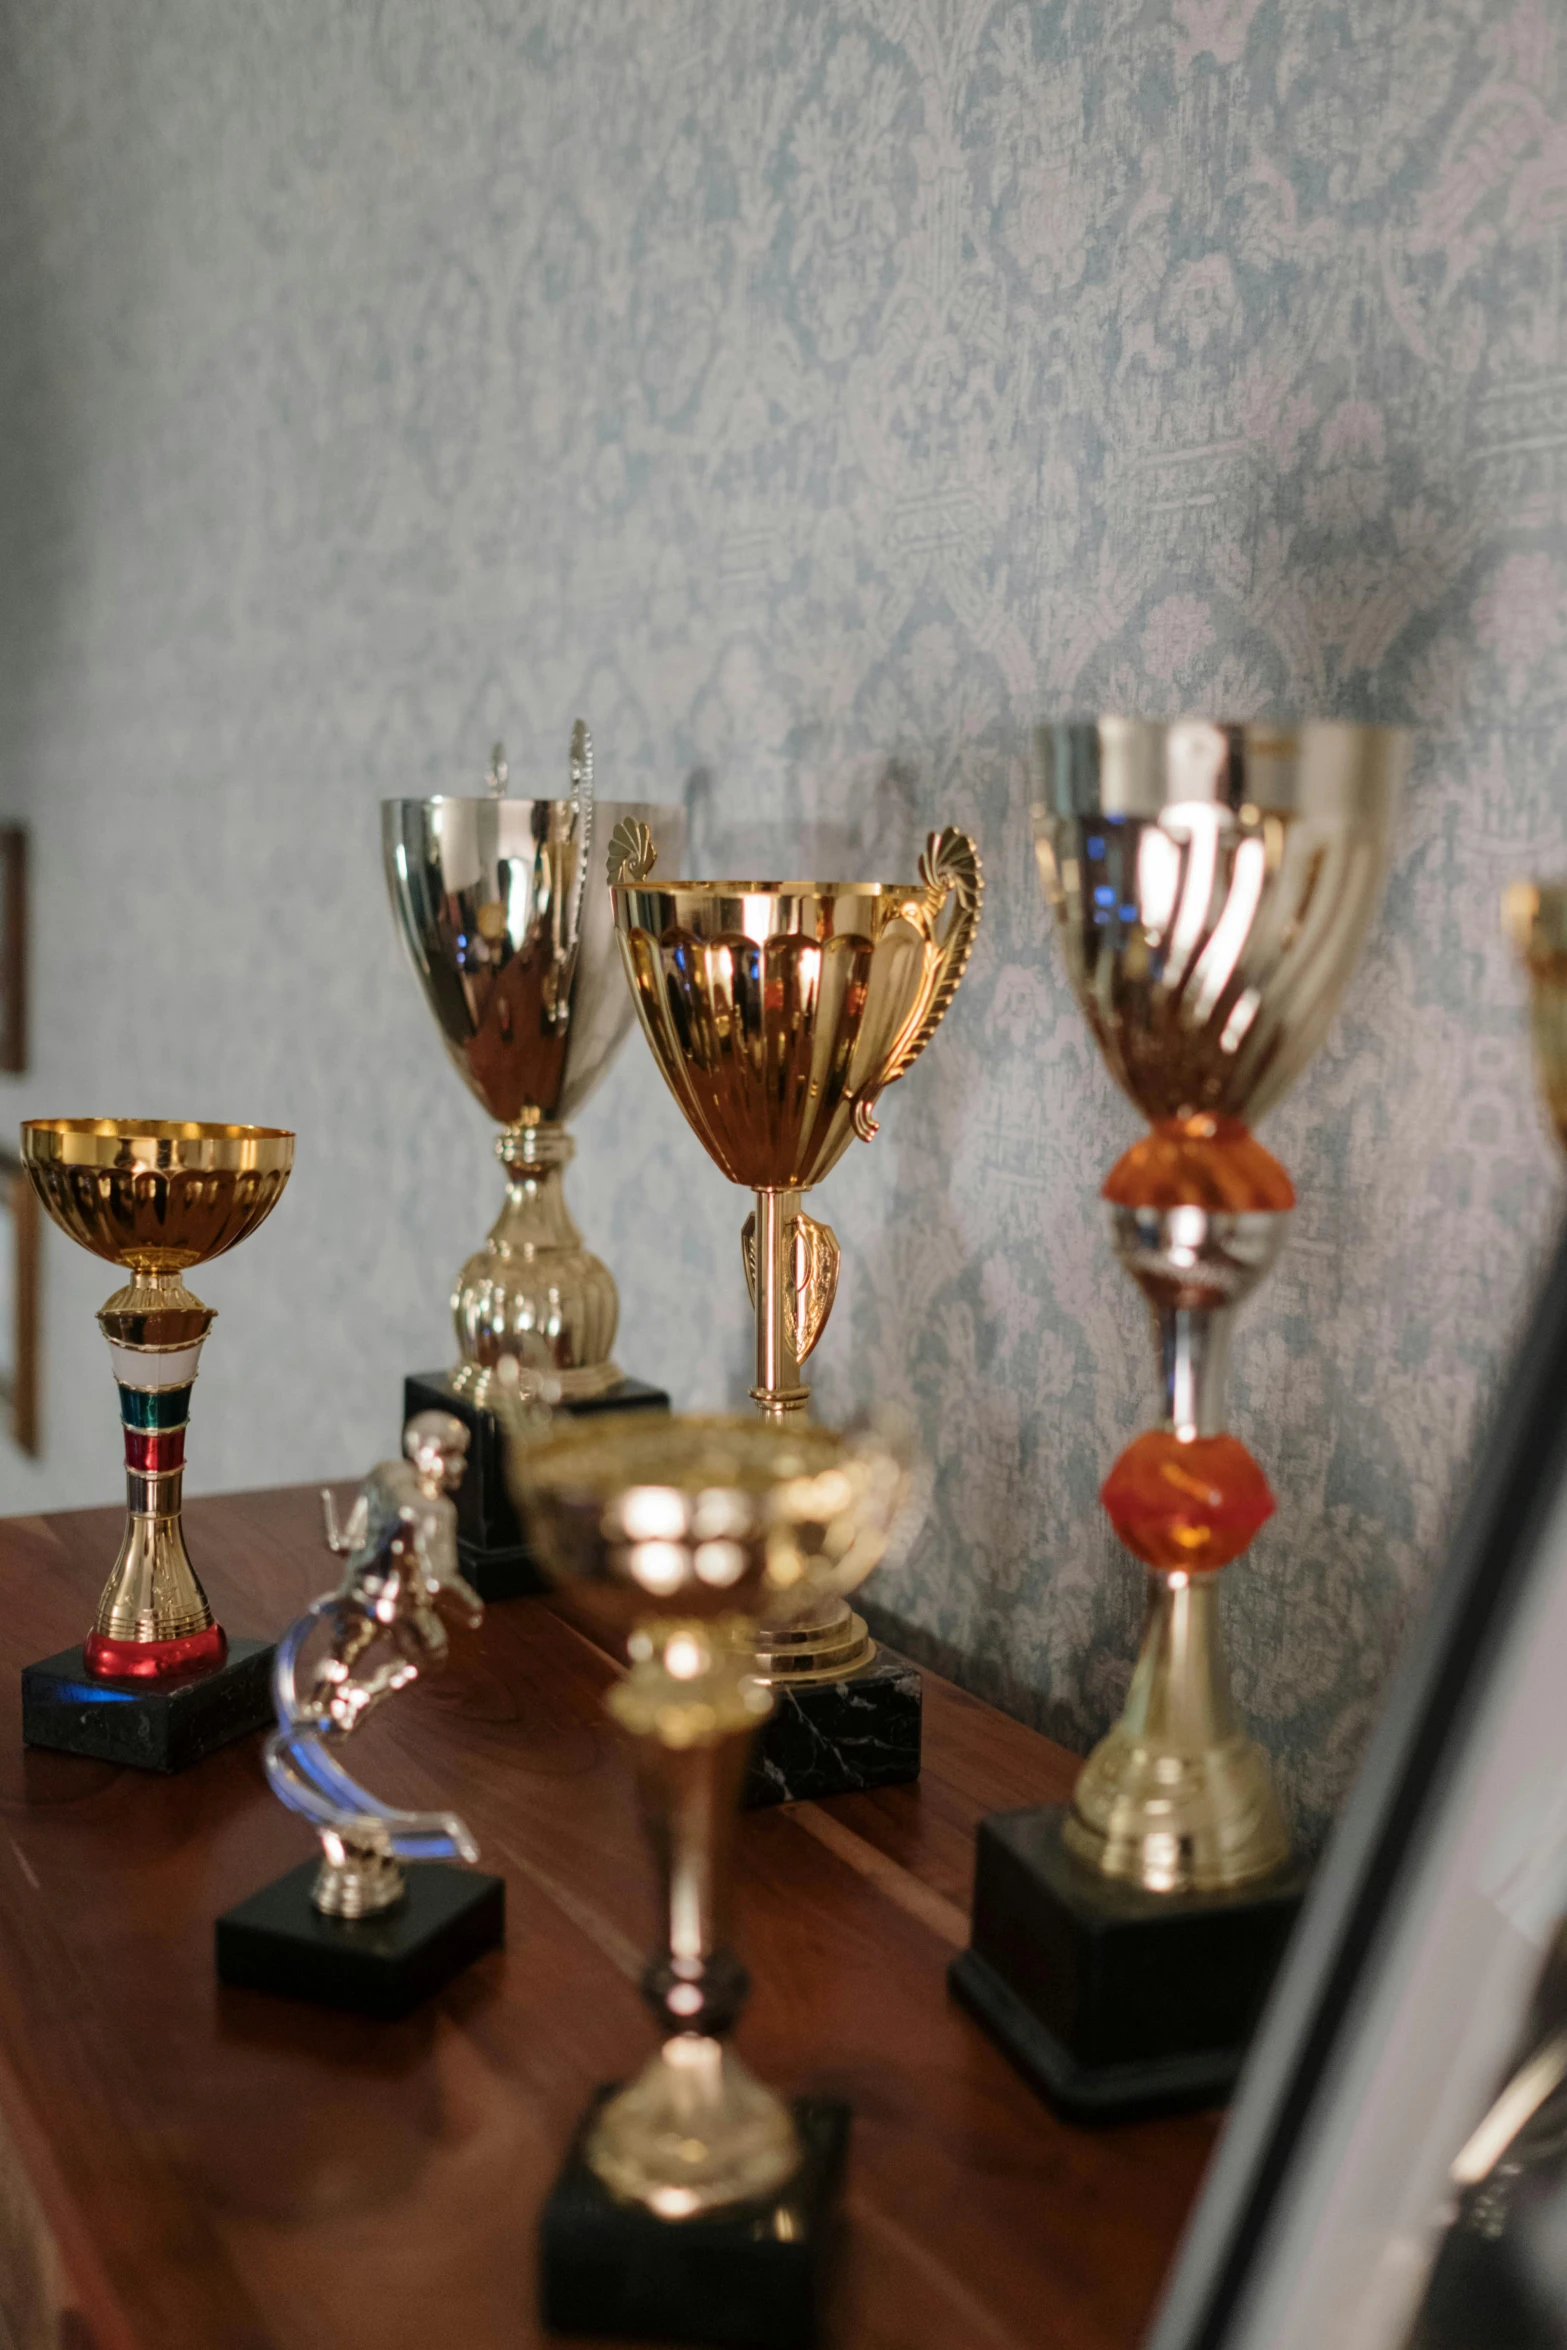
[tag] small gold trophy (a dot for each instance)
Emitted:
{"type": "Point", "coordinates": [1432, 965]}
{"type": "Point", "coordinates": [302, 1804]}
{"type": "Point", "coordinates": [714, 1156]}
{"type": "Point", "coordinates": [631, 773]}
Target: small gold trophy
{"type": "Point", "coordinates": [1212, 886]}
{"type": "Point", "coordinates": [779, 1012]}
{"type": "Point", "coordinates": [1535, 918]}
{"type": "Point", "coordinates": [515, 952]}
{"type": "Point", "coordinates": [156, 1199]}
{"type": "Point", "coordinates": [681, 1532]}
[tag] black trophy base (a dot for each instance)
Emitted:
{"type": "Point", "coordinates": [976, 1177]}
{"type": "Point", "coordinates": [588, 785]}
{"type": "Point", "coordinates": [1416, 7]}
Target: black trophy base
{"type": "Point", "coordinates": [490, 1546]}
{"type": "Point", "coordinates": [755, 2278]}
{"type": "Point", "coordinates": [155, 1726]}
{"type": "Point", "coordinates": [839, 1737]}
{"type": "Point", "coordinates": [1114, 2001]}
{"type": "Point", "coordinates": [382, 1966]}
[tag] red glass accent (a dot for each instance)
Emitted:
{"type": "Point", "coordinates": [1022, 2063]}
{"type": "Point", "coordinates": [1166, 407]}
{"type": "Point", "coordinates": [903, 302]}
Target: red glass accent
{"type": "Point", "coordinates": [1201, 1162]}
{"type": "Point", "coordinates": [155, 1660]}
{"type": "Point", "coordinates": [152, 1451]}
{"type": "Point", "coordinates": [1192, 1502]}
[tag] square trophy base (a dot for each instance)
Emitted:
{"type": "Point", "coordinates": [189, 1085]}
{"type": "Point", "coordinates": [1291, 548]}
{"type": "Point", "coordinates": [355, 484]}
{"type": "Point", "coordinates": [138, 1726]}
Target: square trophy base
{"type": "Point", "coordinates": [379, 1966]}
{"type": "Point", "coordinates": [839, 1737]}
{"type": "Point", "coordinates": [1114, 2001]}
{"type": "Point", "coordinates": [754, 2278]}
{"type": "Point", "coordinates": [490, 1545]}
{"type": "Point", "coordinates": [156, 1725]}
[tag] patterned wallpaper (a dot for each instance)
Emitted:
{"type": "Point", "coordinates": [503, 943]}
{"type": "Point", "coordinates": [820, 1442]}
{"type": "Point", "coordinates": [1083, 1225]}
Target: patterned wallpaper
{"type": "Point", "coordinates": [814, 396]}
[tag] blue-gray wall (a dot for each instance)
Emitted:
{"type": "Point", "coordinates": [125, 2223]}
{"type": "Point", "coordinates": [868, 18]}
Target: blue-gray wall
{"type": "Point", "coordinates": [813, 396]}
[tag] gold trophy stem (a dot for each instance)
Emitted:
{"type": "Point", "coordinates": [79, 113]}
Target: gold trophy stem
{"type": "Point", "coordinates": [1177, 1798]}
{"type": "Point", "coordinates": [695, 2131]}
{"type": "Point", "coordinates": [779, 1391]}
{"type": "Point", "coordinates": [834, 1641]}
{"type": "Point", "coordinates": [534, 1279]}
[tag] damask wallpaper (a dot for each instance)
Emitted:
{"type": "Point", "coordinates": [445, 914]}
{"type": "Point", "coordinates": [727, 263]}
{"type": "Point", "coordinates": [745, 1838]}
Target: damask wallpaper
{"type": "Point", "coordinates": [813, 396]}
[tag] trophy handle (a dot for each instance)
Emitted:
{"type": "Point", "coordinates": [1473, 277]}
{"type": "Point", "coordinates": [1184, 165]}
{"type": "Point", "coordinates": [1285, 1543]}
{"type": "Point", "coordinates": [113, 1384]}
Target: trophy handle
{"type": "Point", "coordinates": [632, 855]}
{"type": "Point", "coordinates": [950, 869]}
{"type": "Point", "coordinates": [561, 975]}
{"type": "Point", "coordinates": [814, 1258]}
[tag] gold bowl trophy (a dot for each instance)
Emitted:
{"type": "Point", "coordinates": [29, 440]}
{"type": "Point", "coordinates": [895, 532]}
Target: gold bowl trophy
{"type": "Point", "coordinates": [498, 904]}
{"type": "Point", "coordinates": [779, 1012]}
{"type": "Point", "coordinates": [696, 2178]}
{"type": "Point", "coordinates": [1212, 886]}
{"type": "Point", "coordinates": [1535, 918]}
{"type": "Point", "coordinates": [156, 1682]}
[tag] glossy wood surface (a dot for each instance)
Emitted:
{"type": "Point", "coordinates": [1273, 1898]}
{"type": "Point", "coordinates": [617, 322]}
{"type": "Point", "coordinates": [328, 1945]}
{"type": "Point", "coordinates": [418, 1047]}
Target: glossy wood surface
{"type": "Point", "coordinates": [184, 2165]}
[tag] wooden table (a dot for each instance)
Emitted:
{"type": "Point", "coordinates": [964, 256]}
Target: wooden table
{"type": "Point", "coordinates": [186, 2166]}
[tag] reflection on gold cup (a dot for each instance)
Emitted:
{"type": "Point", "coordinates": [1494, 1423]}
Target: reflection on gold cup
{"type": "Point", "coordinates": [1212, 885]}
{"type": "Point", "coordinates": [681, 1532]}
{"type": "Point", "coordinates": [779, 1012]}
{"type": "Point", "coordinates": [1535, 917]}
{"type": "Point", "coordinates": [156, 1198]}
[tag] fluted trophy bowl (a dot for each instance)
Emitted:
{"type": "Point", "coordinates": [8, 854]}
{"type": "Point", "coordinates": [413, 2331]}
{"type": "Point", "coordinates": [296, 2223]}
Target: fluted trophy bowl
{"type": "Point", "coordinates": [153, 1195]}
{"type": "Point", "coordinates": [1212, 884]}
{"type": "Point", "coordinates": [509, 929]}
{"type": "Point", "coordinates": [157, 1197]}
{"type": "Point", "coordinates": [779, 1010]}
{"type": "Point", "coordinates": [685, 1530]}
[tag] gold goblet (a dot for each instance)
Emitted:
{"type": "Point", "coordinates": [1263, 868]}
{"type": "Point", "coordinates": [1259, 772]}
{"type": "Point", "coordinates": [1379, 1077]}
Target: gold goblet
{"type": "Point", "coordinates": [1535, 917]}
{"type": "Point", "coordinates": [679, 1533]}
{"type": "Point", "coordinates": [778, 1012]}
{"type": "Point", "coordinates": [1212, 885]}
{"type": "Point", "coordinates": [516, 957]}
{"type": "Point", "coordinates": [156, 1198]}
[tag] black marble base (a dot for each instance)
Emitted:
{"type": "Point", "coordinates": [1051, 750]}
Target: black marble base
{"type": "Point", "coordinates": [158, 1726]}
{"type": "Point", "coordinates": [837, 1737]}
{"type": "Point", "coordinates": [490, 1545]}
{"type": "Point", "coordinates": [737, 2281]}
{"type": "Point", "coordinates": [1115, 2001]}
{"type": "Point", "coordinates": [381, 1966]}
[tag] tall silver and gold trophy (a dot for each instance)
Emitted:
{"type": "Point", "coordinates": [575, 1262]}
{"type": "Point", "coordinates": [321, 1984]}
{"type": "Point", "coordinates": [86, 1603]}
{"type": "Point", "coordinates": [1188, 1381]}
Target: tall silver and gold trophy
{"type": "Point", "coordinates": [501, 905]}
{"type": "Point", "coordinates": [1212, 886]}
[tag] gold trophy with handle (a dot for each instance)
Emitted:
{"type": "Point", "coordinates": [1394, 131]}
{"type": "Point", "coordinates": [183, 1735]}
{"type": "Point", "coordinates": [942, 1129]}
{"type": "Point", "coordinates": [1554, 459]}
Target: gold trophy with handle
{"type": "Point", "coordinates": [779, 1013]}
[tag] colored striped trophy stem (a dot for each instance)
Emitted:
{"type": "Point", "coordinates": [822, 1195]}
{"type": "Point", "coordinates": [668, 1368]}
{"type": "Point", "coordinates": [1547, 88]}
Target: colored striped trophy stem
{"type": "Point", "coordinates": [154, 1620]}
{"type": "Point", "coordinates": [156, 1197]}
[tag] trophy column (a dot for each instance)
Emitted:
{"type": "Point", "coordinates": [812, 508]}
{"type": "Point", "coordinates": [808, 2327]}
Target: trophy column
{"type": "Point", "coordinates": [1211, 886]}
{"type": "Point", "coordinates": [516, 957]}
{"type": "Point", "coordinates": [156, 1682]}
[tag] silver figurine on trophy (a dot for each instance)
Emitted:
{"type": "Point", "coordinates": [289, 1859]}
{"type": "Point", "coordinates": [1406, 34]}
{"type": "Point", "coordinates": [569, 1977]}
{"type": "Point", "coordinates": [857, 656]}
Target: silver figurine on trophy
{"type": "Point", "coordinates": [508, 924]}
{"type": "Point", "coordinates": [377, 1923]}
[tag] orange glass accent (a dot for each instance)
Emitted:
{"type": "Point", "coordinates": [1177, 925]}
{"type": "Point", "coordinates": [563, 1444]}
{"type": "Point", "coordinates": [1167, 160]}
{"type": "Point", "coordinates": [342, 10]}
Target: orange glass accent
{"type": "Point", "coordinates": [1192, 1502]}
{"type": "Point", "coordinates": [1200, 1162]}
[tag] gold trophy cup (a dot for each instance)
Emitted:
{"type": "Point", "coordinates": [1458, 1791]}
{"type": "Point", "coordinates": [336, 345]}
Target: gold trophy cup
{"type": "Point", "coordinates": [156, 1199]}
{"type": "Point", "coordinates": [779, 1012]}
{"type": "Point", "coordinates": [516, 955]}
{"type": "Point", "coordinates": [1212, 885]}
{"type": "Point", "coordinates": [679, 1533]}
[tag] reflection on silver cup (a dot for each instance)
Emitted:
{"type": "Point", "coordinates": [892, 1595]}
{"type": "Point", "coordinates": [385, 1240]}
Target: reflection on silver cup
{"type": "Point", "coordinates": [510, 929]}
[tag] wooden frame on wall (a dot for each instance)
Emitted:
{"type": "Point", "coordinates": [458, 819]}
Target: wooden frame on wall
{"type": "Point", "coordinates": [19, 1382]}
{"type": "Point", "coordinates": [13, 949]}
